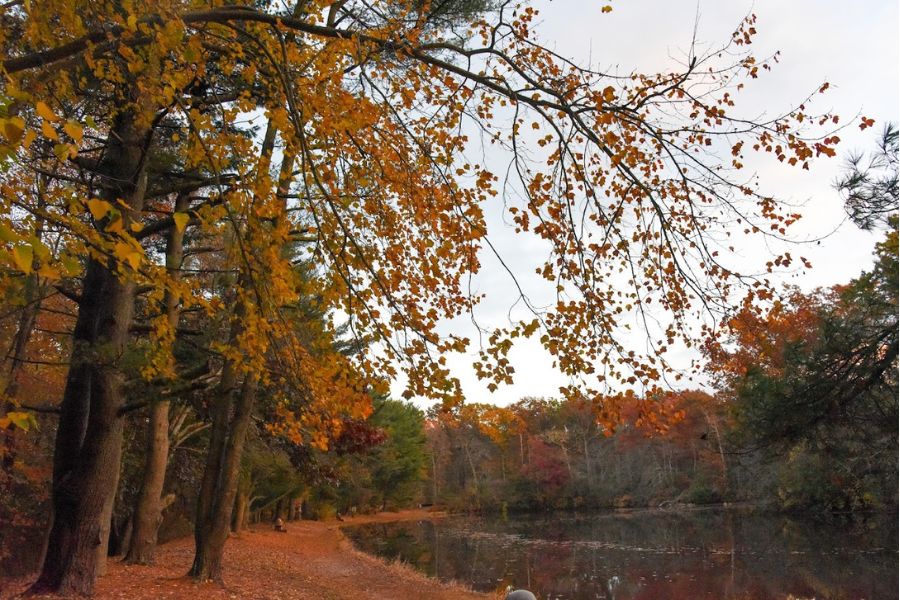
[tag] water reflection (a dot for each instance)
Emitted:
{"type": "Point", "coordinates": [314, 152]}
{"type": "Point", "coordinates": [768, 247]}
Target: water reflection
{"type": "Point", "coordinates": [707, 554]}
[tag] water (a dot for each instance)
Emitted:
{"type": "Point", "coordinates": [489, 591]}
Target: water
{"type": "Point", "coordinates": [721, 554]}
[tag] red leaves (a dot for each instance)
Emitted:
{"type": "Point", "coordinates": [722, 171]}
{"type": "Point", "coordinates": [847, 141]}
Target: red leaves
{"type": "Point", "coordinates": [358, 436]}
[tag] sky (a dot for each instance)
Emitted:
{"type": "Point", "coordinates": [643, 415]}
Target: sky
{"type": "Point", "coordinates": [853, 46]}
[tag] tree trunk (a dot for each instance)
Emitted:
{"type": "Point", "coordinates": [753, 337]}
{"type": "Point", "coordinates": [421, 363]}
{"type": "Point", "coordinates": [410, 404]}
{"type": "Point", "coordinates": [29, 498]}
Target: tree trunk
{"type": "Point", "coordinates": [106, 526]}
{"type": "Point", "coordinates": [148, 505]}
{"type": "Point", "coordinates": [277, 510]}
{"type": "Point", "coordinates": [222, 472]}
{"type": "Point", "coordinates": [148, 508]}
{"type": "Point", "coordinates": [434, 474]}
{"type": "Point", "coordinates": [221, 416]}
{"type": "Point", "coordinates": [471, 463]}
{"type": "Point", "coordinates": [220, 482]}
{"type": "Point", "coordinates": [715, 427]}
{"type": "Point", "coordinates": [588, 467]}
{"type": "Point", "coordinates": [241, 504]}
{"type": "Point", "coordinates": [33, 292]}
{"type": "Point", "coordinates": [88, 447]}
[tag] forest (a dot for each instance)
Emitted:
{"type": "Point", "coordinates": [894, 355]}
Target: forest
{"type": "Point", "coordinates": [227, 230]}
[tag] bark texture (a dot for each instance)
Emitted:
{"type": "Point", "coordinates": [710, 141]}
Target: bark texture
{"type": "Point", "coordinates": [231, 420]}
{"type": "Point", "coordinates": [148, 505]}
{"type": "Point", "coordinates": [89, 439]}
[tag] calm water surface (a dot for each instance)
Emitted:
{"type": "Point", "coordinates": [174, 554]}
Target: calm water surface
{"type": "Point", "coordinates": [700, 554]}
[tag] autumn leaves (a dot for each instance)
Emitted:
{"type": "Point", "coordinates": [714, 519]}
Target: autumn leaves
{"type": "Point", "coordinates": [311, 161]}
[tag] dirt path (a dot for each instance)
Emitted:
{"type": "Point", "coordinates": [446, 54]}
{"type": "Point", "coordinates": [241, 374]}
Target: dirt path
{"type": "Point", "coordinates": [313, 561]}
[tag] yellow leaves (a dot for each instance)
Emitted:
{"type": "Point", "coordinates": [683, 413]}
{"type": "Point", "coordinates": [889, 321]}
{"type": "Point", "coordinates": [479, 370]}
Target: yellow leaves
{"type": "Point", "coordinates": [171, 34]}
{"type": "Point", "coordinates": [99, 208]}
{"type": "Point", "coordinates": [74, 131]}
{"type": "Point", "coordinates": [13, 129]}
{"type": "Point", "coordinates": [530, 328]}
{"type": "Point", "coordinates": [131, 254]}
{"type": "Point", "coordinates": [22, 420]}
{"type": "Point", "coordinates": [23, 257]}
{"type": "Point", "coordinates": [169, 97]}
{"type": "Point", "coordinates": [7, 234]}
{"type": "Point", "coordinates": [193, 51]}
{"type": "Point", "coordinates": [26, 253]}
{"type": "Point", "coordinates": [181, 220]}
{"type": "Point", "coordinates": [379, 171]}
{"type": "Point", "coordinates": [64, 151]}
{"type": "Point", "coordinates": [71, 265]}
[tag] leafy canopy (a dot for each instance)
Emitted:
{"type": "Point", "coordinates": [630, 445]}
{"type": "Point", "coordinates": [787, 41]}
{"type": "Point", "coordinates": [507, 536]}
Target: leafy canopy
{"type": "Point", "coordinates": [631, 181]}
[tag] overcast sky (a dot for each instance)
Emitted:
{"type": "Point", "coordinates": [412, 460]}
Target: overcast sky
{"type": "Point", "coordinates": [852, 45]}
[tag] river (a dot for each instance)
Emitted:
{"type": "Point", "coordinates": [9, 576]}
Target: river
{"type": "Point", "coordinates": [721, 554]}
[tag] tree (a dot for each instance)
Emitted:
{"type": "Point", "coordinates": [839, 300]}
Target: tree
{"type": "Point", "coordinates": [844, 377]}
{"type": "Point", "coordinates": [826, 359]}
{"type": "Point", "coordinates": [149, 504]}
{"type": "Point", "coordinates": [815, 378]}
{"type": "Point", "coordinates": [367, 100]}
{"type": "Point", "coordinates": [869, 187]}
{"type": "Point", "coordinates": [398, 464]}
{"type": "Point", "coordinates": [375, 464]}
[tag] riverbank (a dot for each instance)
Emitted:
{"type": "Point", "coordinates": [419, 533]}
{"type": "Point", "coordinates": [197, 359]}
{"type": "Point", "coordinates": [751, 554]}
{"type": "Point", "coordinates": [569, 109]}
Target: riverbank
{"type": "Point", "coordinates": [312, 561]}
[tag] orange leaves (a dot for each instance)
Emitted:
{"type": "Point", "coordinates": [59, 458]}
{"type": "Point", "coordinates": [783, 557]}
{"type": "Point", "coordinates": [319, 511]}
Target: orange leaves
{"type": "Point", "coordinates": [49, 131]}
{"type": "Point", "coordinates": [759, 338]}
{"type": "Point", "coordinates": [609, 94]}
{"type": "Point", "coordinates": [621, 178]}
{"type": "Point", "coordinates": [743, 35]}
{"type": "Point", "coordinates": [45, 112]}
{"type": "Point", "coordinates": [865, 123]}
{"type": "Point", "coordinates": [823, 149]}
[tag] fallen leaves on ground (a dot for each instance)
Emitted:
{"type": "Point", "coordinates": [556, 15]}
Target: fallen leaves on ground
{"type": "Point", "coordinates": [312, 561]}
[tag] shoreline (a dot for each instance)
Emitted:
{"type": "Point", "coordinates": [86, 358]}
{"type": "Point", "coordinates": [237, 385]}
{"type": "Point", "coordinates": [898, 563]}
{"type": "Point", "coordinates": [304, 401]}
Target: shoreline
{"type": "Point", "coordinates": [312, 561]}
